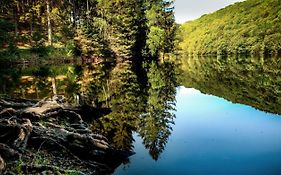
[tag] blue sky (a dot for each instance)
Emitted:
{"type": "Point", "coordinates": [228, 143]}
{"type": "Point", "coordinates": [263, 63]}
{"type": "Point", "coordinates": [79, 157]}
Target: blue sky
{"type": "Point", "coordinates": [186, 10]}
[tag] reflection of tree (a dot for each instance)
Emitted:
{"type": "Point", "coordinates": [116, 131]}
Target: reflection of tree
{"type": "Point", "coordinates": [120, 88]}
{"type": "Point", "coordinates": [147, 110]}
{"type": "Point", "coordinates": [125, 102]}
{"type": "Point", "coordinates": [38, 82]}
{"type": "Point", "coordinates": [254, 81]}
{"type": "Point", "coordinates": [70, 86]}
{"type": "Point", "coordinates": [16, 82]}
{"type": "Point", "coordinates": [92, 83]}
{"type": "Point", "coordinates": [155, 127]}
{"type": "Point", "coordinates": [9, 79]}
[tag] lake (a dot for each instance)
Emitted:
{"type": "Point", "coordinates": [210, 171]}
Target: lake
{"type": "Point", "coordinates": [205, 115]}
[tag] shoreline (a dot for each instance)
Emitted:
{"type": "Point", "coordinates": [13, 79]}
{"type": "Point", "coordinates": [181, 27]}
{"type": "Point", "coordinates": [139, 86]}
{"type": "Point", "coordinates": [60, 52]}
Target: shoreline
{"type": "Point", "coordinates": [50, 136]}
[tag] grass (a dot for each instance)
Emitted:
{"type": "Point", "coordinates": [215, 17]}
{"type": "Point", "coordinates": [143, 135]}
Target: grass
{"type": "Point", "coordinates": [37, 54]}
{"type": "Point", "coordinates": [18, 167]}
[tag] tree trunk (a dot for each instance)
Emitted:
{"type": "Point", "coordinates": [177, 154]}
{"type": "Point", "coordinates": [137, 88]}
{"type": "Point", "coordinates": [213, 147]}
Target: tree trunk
{"type": "Point", "coordinates": [54, 86]}
{"type": "Point", "coordinates": [49, 23]}
{"type": "Point", "coordinates": [16, 21]}
{"type": "Point", "coordinates": [73, 14]}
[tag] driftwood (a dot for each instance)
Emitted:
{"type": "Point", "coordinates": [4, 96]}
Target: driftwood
{"type": "Point", "coordinates": [26, 126]}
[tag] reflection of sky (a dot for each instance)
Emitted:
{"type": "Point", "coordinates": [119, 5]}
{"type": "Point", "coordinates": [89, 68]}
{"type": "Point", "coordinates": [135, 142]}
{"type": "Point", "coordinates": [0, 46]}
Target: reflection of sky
{"type": "Point", "coordinates": [214, 136]}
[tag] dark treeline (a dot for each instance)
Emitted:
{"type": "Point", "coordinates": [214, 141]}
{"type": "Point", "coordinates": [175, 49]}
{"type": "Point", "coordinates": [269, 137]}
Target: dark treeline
{"type": "Point", "coordinates": [122, 29]}
{"type": "Point", "coordinates": [249, 27]}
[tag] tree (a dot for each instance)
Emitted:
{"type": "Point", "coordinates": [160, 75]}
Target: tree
{"type": "Point", "coordinates": [242, 28]}
{"type": "Point", "coordinates": [49, 23]}
{"type": "Point", "coordinates": [161, 27]}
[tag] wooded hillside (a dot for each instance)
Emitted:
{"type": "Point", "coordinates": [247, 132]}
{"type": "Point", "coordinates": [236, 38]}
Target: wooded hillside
{"type": "Point", "coordinates": [252, 27]}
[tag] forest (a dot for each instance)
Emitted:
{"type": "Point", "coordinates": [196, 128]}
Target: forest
{"type": "Point", "coordinates": [77, 118]}
{"type": "Point", "coordinates": [248, 27]}
{"type": "Point", "coordinates": [91, 29]}
{"type": "Point", "coordinates": [86, 84]}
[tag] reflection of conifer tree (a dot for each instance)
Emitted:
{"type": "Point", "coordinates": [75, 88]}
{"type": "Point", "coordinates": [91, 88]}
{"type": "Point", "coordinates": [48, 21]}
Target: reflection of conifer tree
{"type": "Point", "coordinates": [125, 103]}
{"type": "Point", "coordinates": [40, 86]}
{"type": "Point", "coordinates": [92, 84]}
{"type": "Point", "coordinates": [38, 82]}
{"type": "Point", "coordinates": [53, 80]}
{"type": "Point", "coordinates": [71, 86]}
{"type": "Point", "coordinates": [9, 78]}
{"type": "Point", "coordinates": [156, 123]}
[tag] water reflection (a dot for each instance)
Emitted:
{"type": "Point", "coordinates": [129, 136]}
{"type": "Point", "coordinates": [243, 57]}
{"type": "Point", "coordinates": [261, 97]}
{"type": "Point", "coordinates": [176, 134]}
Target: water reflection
{"type": "Point", "coordinates": [36, 82]}
{"type": "Point", "coordinates": [156, 123]}
{"type": "Point", "coordinates": [92, 82]}
{"type": "Point", "coordinates": [145, 106]}
{"type": "Point", "coordinates": [126, 104]}
{"type": "Point", "coordinates": [148, 112]}
{"type": "Point", "coordinates": [252, 81]}
{"type": "Point", "coordinates": [139, 105]}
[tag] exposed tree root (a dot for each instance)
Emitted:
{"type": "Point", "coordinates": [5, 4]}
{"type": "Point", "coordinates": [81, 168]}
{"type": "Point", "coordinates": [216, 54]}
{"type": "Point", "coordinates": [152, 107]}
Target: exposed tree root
{"type": "Point", "coordinates": [55, 128]}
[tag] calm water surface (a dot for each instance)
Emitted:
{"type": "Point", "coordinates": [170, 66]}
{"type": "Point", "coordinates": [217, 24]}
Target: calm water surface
{"type": "Point", "coordinates": [214, 136]}
{"type": "Point", "coordinates": [222, 118]}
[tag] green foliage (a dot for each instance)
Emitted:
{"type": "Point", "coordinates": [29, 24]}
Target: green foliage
{"type": "Point", "coordinates": [38, 44]}
{"type": "Point", "coordinates": [161, 27]}
{"type": "Point", "coordinates": [131, 31]}
{"type": "Point", "coordinates": [40, 159]}
{"type": "Point", "coordinates": [156, 123]}
{"type": "Point", "coordinates": [12, 48]}
{"type": "Point", "coordinates": [5, 28]}
{"type": "Point", "coordinates": [155, 39]}
{"type": "Point", "coordinates": [252, 26]}
{"type": "Point", "coordinates": [18, 167]}
{"type": "Point", "coordinates": [255, 81]}
{"type": "Point", "coordinates": [90, 43]}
